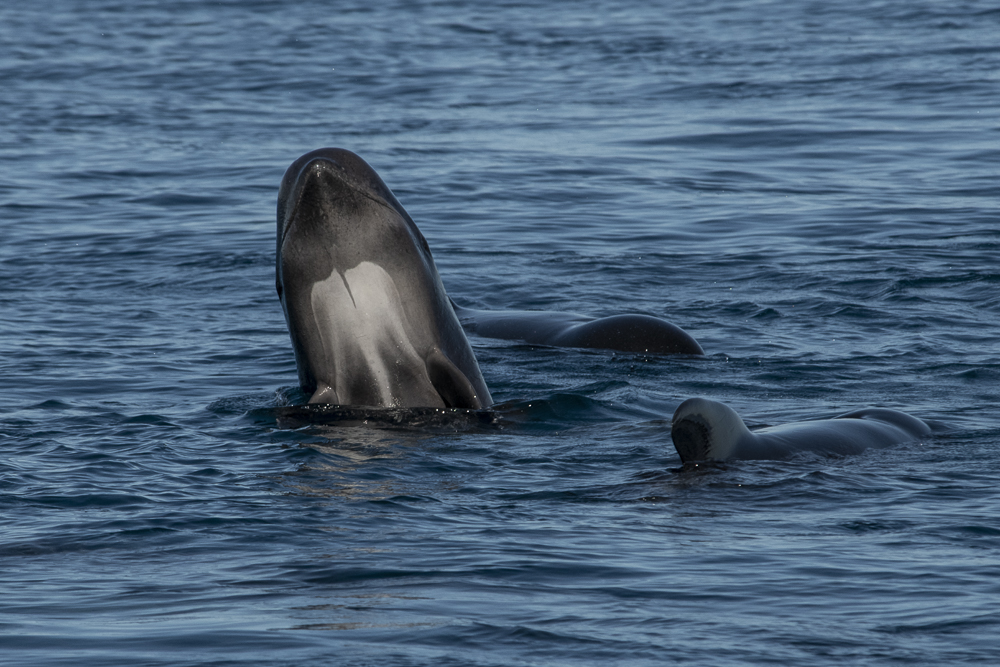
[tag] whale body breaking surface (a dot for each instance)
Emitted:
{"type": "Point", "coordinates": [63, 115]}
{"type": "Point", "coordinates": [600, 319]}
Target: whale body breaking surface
{"type": "Point", "coordinates": [706, 430]}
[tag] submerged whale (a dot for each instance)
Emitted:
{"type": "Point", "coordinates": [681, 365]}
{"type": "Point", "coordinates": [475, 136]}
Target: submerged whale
{"type": "Point", "coordinates": [705, 430]}
{"type": "Point", "coordinates": [626, 333]}
{"type": "Point", "coordinates": [370, 321]}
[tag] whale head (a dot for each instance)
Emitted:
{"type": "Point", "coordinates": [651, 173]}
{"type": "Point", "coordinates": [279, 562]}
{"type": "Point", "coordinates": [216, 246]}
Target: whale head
{"type": "Point", "coordinates": [370, 321]}
{"type": "Point", "coordinates": [705, 430]}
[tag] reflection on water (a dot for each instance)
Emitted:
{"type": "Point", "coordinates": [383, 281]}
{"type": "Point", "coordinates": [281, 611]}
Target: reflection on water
{"type": "Point", "coordinates": [356, 456]}
{"type": "Point", "coordinates": [335, 473]}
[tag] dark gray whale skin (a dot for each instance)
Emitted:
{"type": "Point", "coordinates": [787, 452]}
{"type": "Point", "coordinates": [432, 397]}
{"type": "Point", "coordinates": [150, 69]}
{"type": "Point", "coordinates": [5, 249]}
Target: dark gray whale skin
{"type": "Point", "coordinates": [370, 321]}
{"type": "Point", "coordinates": [625, 333]}
{"type": "Point", "coordinates": [706, 430]}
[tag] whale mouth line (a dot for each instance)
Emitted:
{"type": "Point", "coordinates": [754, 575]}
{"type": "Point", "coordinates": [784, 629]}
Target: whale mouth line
{"type": "Point", "coordinates": [692, 438]}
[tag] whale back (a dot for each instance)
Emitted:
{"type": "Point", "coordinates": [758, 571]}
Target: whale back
{"type": "Point", "coordinates": [907, 423]}
{"type": "Point", "coordinates": [625, 333]}
{"type": "Point", "coordinates": [631, 333]}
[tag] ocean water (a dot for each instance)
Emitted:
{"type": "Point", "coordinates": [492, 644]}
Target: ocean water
{"type": "Point", "coordinates": [809, 188]}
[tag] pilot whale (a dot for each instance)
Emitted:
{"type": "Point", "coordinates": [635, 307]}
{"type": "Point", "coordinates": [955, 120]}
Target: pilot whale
{"type": "Point", "coordinates": [370, 321]}
{"type": "Point", "coordinates": [705, 430]}
{"type": "Point", "coordinates": [625, 333]}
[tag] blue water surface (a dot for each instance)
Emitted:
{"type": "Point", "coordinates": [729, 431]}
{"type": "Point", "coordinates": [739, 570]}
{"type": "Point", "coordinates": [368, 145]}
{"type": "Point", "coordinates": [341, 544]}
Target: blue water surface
{"type": "Point", "coordinates": [809, 188]}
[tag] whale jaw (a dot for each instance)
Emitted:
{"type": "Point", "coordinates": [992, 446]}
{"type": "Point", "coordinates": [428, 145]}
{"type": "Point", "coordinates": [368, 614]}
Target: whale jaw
{"type": "Point", "coordinates": [705, 430]}
{"type": "Point", "coordinates": [692, 437]}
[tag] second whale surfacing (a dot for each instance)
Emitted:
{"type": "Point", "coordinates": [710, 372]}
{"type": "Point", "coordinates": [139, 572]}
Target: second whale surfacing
{"type": "Point", "coordinates": [625, 333]}
{"type": "Point", "coordinates": [706, 430]}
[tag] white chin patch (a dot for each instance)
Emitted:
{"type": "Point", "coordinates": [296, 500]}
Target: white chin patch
{"type": "Point", "coordinates": [362, 321]}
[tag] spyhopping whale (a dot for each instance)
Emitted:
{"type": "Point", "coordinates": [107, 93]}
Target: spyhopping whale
{"type": "Point", "coordinates": [625, 333]}
{"type": "Point", "coordinates": [370, 321]}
